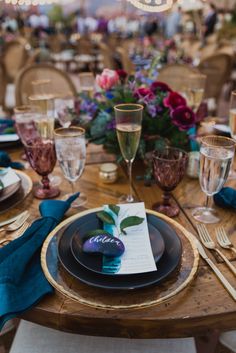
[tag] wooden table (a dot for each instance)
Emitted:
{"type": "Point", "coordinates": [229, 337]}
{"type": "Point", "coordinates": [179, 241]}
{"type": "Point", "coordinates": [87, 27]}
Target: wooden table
{"type": "Point", "coordinates": [200, 309]}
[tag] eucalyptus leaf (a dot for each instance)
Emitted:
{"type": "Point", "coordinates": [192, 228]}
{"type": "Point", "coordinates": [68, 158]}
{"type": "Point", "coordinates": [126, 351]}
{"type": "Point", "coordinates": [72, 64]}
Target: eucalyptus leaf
{"type": "Point", "coordinates": [106, 217]}
{"type": "Point", "coordinates": [130, 222]}
{"type": "Point", "coordinates": [1, 185]}
{"type": "Point", "coordinates": [115, 209]}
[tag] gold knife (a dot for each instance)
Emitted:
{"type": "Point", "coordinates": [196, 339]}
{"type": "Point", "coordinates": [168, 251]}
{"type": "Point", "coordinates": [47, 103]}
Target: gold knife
{"type": "Point", "coordinates": [220, 276]}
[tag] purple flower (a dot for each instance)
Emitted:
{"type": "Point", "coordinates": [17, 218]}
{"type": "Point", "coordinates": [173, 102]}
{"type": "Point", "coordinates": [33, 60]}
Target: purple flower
{"type": "Point", "coordinates": [144, 95]}
{"type": "Point", "coordinates": [183, 117]}
{"type": "Point", "coordinates": [151, 108]}
{"type": "Point", "coordinates": [174, 100]}
{"type": "Point", "coordinates": [89, 107]}
{"type": "Point", "coordinates": [111, 125]}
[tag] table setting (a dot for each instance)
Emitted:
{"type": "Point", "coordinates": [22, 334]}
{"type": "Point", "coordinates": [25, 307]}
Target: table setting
{"type": "Point", "coordinates": [133, 247]}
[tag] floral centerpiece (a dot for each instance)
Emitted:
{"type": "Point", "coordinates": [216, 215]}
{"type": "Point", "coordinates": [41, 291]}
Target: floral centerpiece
{"type": "Point", "coordinates": [167, 119]}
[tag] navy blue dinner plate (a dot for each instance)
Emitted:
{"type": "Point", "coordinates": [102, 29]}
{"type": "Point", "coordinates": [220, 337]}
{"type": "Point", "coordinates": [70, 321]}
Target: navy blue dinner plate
{"type": "Point", "coordinates": [167, 263]}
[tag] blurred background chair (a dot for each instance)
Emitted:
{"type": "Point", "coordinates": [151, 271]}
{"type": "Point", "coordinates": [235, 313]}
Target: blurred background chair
{"type": "Point", "coordinates": [176, 75]}
{"type": "Point", "coordinates": [127, 64]}
{"type": "Point", "coordinates": [60, 82]}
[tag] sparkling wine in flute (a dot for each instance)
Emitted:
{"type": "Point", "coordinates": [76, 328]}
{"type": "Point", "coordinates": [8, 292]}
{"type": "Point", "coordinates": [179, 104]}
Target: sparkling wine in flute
{"type": "Point", "coordinates": [128, 137]}
{"type": "Point", "coordinates": [195, 97]}
{"type": "Point", "coordinates": [232, 123]}
{"type": "Point", "coordinates": [214, 168]}
{"type": "Point", "coordinates": [45, 127]}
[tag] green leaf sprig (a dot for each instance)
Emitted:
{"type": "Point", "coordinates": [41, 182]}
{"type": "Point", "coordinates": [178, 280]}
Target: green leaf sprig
{"type": "Point", "coordinates": [127, 222]}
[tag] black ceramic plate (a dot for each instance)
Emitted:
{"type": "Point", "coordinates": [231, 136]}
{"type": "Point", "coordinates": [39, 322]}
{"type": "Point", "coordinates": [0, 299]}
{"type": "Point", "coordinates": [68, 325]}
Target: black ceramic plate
{"type": "Point", "coordinates": [94, 262]}
{"type": "Point", "coordinates": [167, 264]}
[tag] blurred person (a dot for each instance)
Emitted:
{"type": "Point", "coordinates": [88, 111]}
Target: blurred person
{"type": "Point", "coordinates": [173, 22]}
{"type": "Point", "coordinates": [34, 21]}
{"type": "Point", "coordinates": [210, 20]}
{"type": "Point", "coordinates": [44, 22]}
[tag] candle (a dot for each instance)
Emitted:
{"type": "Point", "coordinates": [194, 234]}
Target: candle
{"type": "Point", "coordinates": [108, 173]}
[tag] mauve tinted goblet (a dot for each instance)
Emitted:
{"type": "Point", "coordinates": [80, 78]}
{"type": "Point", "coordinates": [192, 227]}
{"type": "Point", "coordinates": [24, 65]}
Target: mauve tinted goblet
{"type": "Point", "coordinates": [169, 166]}
{"type": "Point", "coordinates": [41, 155]}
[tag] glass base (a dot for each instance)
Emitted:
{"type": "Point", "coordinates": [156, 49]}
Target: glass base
{"type": "Point", "coordinates": [55, 180]}
{"type": "Point", "coordinates": [80, 201]}
{"type": "Point", "coordinates": [42, 194]}
{"type": "Point", "coordinates": [127, 199]}
{"type": "Point", "coordinates": [205, 215]}
{"type": "Point", "coordinates": [170, 210]}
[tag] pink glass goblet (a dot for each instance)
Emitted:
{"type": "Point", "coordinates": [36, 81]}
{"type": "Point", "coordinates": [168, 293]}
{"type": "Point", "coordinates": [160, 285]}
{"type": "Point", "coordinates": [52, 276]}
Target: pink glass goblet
{"type": "Point", "coordinates": [169, 166]}
{"type": "Point", "coordinates": [41, 155]}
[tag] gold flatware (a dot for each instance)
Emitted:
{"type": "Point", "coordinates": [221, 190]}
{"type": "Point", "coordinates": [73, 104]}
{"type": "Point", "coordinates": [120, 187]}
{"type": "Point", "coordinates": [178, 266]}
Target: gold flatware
{"type": "Point", "coordinates": [223, 239]}
{"type": "Point", "coordinates": [10, 220]}
{"type": "Point", "coordinates": [17, 223]}
{"type": "Point", "coordinates": [16, 234]}
{"type": "Point", "coordinates": [209, 244]}
{"type": "Point", "coordinates": [217, 272]}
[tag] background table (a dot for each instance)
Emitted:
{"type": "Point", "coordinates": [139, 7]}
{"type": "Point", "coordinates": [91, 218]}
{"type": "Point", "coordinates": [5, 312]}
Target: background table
{"type": "Point", "coordinates": [200, 309]}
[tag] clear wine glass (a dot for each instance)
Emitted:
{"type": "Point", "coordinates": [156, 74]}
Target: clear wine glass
{"type": "Point", "coordinates": [71, 154]}
{"type": "Point", "coordinates": [128, 129]}
{"type": "Point", "coordinates": [195, 91]}
{"type": "Point", "coordinates": [64, 110]}
{"type": "Point", "coordinates": [169, 167]}
{"type": "Point", "coordinates": [41, 155]}
{"type": "Point", "coordinates": [87, 83]}
{"type": "Point", "coordinates": [232, 125]}
{"type": "Point", "coordinates": [216, 155]}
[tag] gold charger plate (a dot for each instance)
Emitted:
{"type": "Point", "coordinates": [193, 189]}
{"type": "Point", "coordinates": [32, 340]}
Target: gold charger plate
{"type": "Point", "coordinates": [74, 289]}
{"type": "Point", "coordinates": [24, 190]}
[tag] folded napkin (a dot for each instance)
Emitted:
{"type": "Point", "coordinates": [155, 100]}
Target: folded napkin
{"type": "Point", "coordinates": [5, 161]}
{"type": "Point", "coordinates": [226, 198]}
{"type": "Point", "coordinates": [22, 281]}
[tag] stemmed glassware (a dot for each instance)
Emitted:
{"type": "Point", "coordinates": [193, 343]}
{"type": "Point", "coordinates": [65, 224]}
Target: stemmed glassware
{"type": "Point", "coordinates": [169, 166]}
{"type": "Point", "coordinates": [232, 125]}
{"type": "Point", "coordinates": [87, 83]}
{"type": "Point", "coordinates": [71, 155]}
{"type": "Point", "coordinates": [216, 155]}
{"type": "Point", "coordinates": [41, 155]}
{"type": "Point", "coordinates": [63, 110]}
{"type": "Point", "coordinates": [194, 93]}
{"type": "Point", "coordinates": [128, 129]}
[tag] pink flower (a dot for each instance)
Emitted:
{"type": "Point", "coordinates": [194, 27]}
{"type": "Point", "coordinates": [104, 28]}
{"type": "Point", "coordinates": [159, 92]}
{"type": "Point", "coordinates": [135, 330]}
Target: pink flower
{"type": "Point", "coordinates": [174, 100]}
{"type": "Point", "coordinates": [161, 86]}
{"type": "Point", "coordinates": [183, 117]}
{"type": "Point", "coordinates": [144, 93]}
{"type": "Point", "coordinates": [107, 79]}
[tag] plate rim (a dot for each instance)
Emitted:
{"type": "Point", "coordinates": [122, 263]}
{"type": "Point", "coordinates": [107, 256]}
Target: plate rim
{"type": "Point", "coordinates": [77, 298]}
{"type": "Point", "coordinates": [112, 274]}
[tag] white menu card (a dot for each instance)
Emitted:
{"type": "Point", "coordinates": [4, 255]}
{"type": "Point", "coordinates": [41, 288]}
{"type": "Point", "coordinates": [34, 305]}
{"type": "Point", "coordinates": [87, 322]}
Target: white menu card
{"type": "Point", "coordinates": [138, 256]}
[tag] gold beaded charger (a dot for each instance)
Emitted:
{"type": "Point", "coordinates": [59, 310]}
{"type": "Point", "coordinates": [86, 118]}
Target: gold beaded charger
{"type": "Point", "coordinates": [101, 298]}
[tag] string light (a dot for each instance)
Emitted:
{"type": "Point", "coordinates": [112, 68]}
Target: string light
{"type": "Point", "coordinates": [152, 5]}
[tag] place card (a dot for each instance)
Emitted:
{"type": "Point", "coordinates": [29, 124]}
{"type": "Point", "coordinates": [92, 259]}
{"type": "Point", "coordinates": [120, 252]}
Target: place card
{"type": "Point", "coordinates": [138, 256]}
{"type": "Point", "coordinates": [9, 138]}
{"type": "Point", "coordinates": [9, 179]}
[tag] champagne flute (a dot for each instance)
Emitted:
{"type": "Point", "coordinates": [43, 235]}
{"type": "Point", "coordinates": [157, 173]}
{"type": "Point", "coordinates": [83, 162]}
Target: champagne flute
{"type": "Point", "coordinates": [216, 155]}
{"type": "Point", "coordinates": [87, 83]}
{"type": "Point", "coordinates": [195, 91]}
{"type": "Point", "coordinates": [232, 125]}
{"type": "Point", "coordinates": [128, 129]}
{"type": "Point", "coordinates": [71, 154]}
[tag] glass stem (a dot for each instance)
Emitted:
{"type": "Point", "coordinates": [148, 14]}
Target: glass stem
{"type": "Point", "coordinates": [72, 187]}
{"type": "Point", "coordinates": [208, 199]}
{"type": "Point", "coordinates": [130, 197]}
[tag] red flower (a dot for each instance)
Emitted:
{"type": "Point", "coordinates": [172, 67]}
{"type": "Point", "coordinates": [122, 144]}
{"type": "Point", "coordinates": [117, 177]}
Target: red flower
{"type": "Point", "coordinates": [122, 74]}
{"type": "Point", "coordinates": [183, 117]}
{"type": "Point", "coordinates": [160, 86]}
{"type": "Point", "coordinates": [146, 93]}
{"type": "Point", "coordinates": [174, 100]}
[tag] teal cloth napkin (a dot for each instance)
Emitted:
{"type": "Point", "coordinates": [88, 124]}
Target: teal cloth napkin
{"type": "Point", "coordinates": [5, 161]}
{"type": "Point", "coordinates": [22, 281]}
{"type": "Point", "coordinates": [226, 198]}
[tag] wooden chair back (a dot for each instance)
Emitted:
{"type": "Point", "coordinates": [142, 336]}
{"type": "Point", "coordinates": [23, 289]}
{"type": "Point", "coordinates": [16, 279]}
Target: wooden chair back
{"type": "Point", "coordinates": [176, 75]}
{"type": "Point", "coordinates": [60, 82]}
{"type": "Point", "coordinates": [107, 56]}
{"type": "Point", "coordinates": [217, 68]}
{"type": "Point", "coordinates": [15, 56]}
{"type": "Point", "coordinates": [127, 64]}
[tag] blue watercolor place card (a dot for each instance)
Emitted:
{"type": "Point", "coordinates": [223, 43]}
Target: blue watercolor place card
{"type": "Point", "coordinates": [128, 223]}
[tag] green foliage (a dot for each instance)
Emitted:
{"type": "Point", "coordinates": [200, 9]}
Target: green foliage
{"type": "Point", "coordinates": [115, 209]}
{"type": "Point", "coordinates": [130, 222]}
{"type": "Point", "coordinates": [106, 217]}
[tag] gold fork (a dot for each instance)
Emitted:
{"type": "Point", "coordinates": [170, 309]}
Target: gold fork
{"type": "Point", "coordinates": [209, 244]}
{"type": "Point", "coordinates": [16, 234]}
{"type": "Point", "coordinates": [223, 239]}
